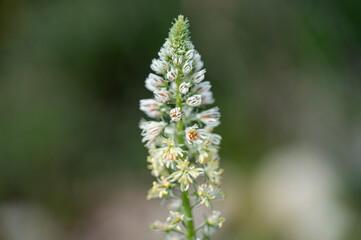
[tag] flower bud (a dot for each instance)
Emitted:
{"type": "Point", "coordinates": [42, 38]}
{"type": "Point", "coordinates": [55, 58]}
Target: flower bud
{"type": "Point", "coordinates": [187, 67]}
{"type": "Point", "coordinates": [184, 87]}
{"type": "Point", "coordinates": [172, 74]}
{"type": "Point", "coordinates": [195, 100]}
{"type": "Point", "coordinates": [180, 50]}
{"type": "Point", "coordinates": [189, 54]}
{"type": "Point", "coordinates": [177, 60]}
{"type": "Point", "coordinates": [154, 82]}
{"type": "Point", "coordinates": [175, 114]}
{"type": "Point", "coordinates": [159, 66]}
{"type": "Point", "coordinates": [198, 76]}
{"type": "Point", "coordinates": [162, 96]}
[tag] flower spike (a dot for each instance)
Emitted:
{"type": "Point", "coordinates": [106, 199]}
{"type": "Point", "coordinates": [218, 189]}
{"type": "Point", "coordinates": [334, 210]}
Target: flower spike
{"type": "Point", "coordinates": [183, 150]}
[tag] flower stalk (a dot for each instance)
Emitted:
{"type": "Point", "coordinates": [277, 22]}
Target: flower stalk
{"type": "Point", "coordinates": [183, 151]}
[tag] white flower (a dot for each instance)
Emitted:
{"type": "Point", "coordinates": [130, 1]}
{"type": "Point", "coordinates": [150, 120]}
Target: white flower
{"type": "Point", "coordinates": [172, 74]}
{"type": "Point", "coordinates": [198, 76]}
{"type": "Point", "coordinates": [154, 82]}
{"type": "Point", "coordinates": [210, 117]}
{"type": "Point", "coordinates": [175, 217]}
{"type": "Point", "coordinates": [162, 96]}
{"type": "Point", "coordinates": [156, 167]}
{"type": "Point", "coordinates": [198, 64]}
{"type": "Point", "coordinates": [150, 130]}
{"type": "Point", "coordinates": [163, 54]}
{"type": "Point", "coordinates": [159, 66]}
{"type": "Point", "coordinates": [195, 136]}
{"type": "Point", "coordinates": [185, 174]}
{"type": "Point", "coordinates": [207, 98]}
{"type": "Point", "coordinates": [206, 193]}
{"type": "Point", "coordinates": [214, 138]}
{"type": "Point", "coordinates": [203, 157]}
{"type": "Point", "coordinates": [215, 219]}
{"type": "Point", "coordinates": [187, 67]}
{"type": "Point", "coordinates": [184, 87]}
{"type": "Point", "coordinates": [177, 60]}
{"type": "Point", "coordinates": [170, 153]}
{"type": "Point", "coordinates": [159, 189]}
{"type": "Point", "coordinates": [150, 107]}
{"type": "Point", "coordinates": [203, 87]}
{"type": "Point", "coordinates": [175, 114]}
{"type": "Point", "coordinates": [189, 54]}
{"type": "Point", "coordinates": [194, 101]}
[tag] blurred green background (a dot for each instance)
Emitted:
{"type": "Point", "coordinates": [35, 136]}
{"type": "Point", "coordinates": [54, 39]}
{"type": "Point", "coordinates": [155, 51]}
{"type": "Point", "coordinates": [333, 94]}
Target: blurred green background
{"type": "Point", "coordinates": [285, 74]}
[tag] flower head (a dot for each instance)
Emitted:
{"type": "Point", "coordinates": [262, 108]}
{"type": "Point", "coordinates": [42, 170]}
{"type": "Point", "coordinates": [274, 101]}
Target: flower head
{"type": "Point", "coordinates": [183, 150]}
{"type": "Point", "coordinates": [185, 174]}
{"type": "Point", "coordinates": [195, 135]}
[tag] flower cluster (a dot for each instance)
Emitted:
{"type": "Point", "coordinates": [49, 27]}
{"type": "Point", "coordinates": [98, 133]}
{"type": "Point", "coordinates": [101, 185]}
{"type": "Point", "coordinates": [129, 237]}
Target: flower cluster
{"type": "Point", "coordinates": [183, 150]}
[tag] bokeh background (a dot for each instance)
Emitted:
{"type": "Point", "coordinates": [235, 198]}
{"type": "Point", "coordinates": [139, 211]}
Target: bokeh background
{"type": "Point", "coordinates": [286, 76]}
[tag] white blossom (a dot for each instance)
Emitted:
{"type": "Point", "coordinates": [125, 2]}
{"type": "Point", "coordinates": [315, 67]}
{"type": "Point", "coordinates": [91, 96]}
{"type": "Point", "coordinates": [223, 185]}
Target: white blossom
{"type": "Point", "coordinates": [203, 87]}
{"type": "Point", "coordinates": [175, 114]}
{"type": "Point", "coordinates": [159, 66]}
{"type": "Point", "coordinates": [195, 135]}
{"type": "Point", "coordinates": [206, 193]}
{"type": "Point", "coordinates": [159, 189]}
{"type": "Point", "coordinates": [172, 74]}
{"type": "Point", "coordinates": [187, 67]}
{"type": "Point", "coordinates": [180, 152]}
{"type": "Point", "coordinates": [150, 107]}
{"type": "Point", "coordinates": [162, 96]}
{"type": "Point", "coordinates": [163, 53]}
{"type": "Point", "coordinates": [184, 87]}
{"type": "Point", "coordinates": [189, 54]}
{"type": "Point", "coordinates": [195, 100]}
{"type": "Point", "coordinates": [177, 60]}
{"type": "Point", "coordinates": [185, 174]}
{"type": "Point", "coordinates": [154, 82]}
{"type": "Point", "coordinates": [207, 98]}
{"type": "Point", "coordinates": [215, 219]}
{"type": "Point", "coordinates": [210, 117]}
{"type": "Point", "coordinates": [198, 63]}
{"type": "Point", "coordinates": [170, 153]}
{"type": "Point", "coordinates": [150, 130]}
{"type": "Point", "coordinates": [198, 76]}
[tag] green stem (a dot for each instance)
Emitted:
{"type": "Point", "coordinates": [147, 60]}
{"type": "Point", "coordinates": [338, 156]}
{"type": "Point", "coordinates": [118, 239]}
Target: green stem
{"type": "Point", "coordinates": [185, 198]}
{"type": "Point", "coordinates": [188, 215]}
